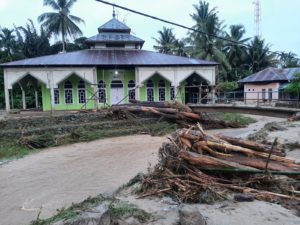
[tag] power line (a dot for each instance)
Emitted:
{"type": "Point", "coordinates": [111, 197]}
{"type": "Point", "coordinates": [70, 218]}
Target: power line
{"type": "Point", "coordinates": [187, 28]}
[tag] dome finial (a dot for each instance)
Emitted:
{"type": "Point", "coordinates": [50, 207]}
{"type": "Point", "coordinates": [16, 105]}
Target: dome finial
{"type": "Point", "coordinates": [114, 12]}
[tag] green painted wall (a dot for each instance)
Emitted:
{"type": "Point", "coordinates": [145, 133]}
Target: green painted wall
{"type": "Point", "coordinates": [107, 76]}
{"type": "Point", "coordinates": [155, 78]}
{"type": "Point", "coordinates": [62, 106]}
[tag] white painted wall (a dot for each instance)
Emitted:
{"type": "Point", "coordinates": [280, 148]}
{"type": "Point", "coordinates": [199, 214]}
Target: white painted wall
{"type": "Point", "coordinates": [51, 77]}
{"type": "Point", "coordinates": [175, 74]}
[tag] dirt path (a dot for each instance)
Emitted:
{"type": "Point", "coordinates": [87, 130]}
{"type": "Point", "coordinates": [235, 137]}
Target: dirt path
{"type": "Point", "coordinates": [56, 177]}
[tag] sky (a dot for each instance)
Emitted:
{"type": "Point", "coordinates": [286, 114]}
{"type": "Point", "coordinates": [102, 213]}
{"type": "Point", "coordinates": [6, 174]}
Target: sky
{"type": "Point", "coordinates": [279, 25]}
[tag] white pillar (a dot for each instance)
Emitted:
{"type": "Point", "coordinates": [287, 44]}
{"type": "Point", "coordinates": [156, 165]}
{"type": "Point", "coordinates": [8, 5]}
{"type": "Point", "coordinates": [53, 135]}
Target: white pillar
{"type": "Point", "coordinates": [95, 87]}
{"type": "Point", "coordinates": [137, 84]}
{"type": "Point", "coordinates": [23, 96]}
{"type": "Point", "coordinates": [213, 93]}
{"type": "Point", "coordinates": [52, 98]}
{"type": "Point", "coordinates": [7, 99]}
{"type": "Point", "coordinates": [6, 92]}
{"type": "Point", "coordinates": [36, 98]}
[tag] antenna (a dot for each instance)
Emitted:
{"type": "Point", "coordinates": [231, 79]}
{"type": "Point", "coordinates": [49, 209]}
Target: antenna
{"type": "Point", "coordinates": [257, 17]}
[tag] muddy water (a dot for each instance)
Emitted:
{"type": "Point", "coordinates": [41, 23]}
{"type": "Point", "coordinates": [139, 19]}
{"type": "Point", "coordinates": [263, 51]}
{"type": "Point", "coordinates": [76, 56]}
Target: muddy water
{"type": "Point", "coordinates": [56, 177]}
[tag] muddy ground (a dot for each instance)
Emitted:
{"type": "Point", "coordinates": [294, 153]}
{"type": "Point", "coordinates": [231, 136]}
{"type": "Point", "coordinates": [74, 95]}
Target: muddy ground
{"type": "Point", "coordinates": [59, 176]}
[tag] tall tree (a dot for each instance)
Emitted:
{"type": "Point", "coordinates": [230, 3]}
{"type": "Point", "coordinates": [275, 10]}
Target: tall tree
{"type": "Point", "coordinates": [165, 41]}
{"type": "Point", "coordinates": [259, 56]}
{"type": "Point", "coordinates": [204, 44]}
{"type": "Point", "coordinates": [288, 60]}
{"type": "Point", "coordinates": [8, 43]}
{"type": "Point", "coordinates": [31, 42]}
{"type": "Point", "coordinates": [61, 22]}
{"type": "Point", "coordinates": [235, 50]}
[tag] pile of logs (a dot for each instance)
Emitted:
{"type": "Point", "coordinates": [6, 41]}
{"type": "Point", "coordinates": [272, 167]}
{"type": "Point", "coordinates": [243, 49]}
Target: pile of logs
{"type": "Point", "coordinates": [197, 167]}
{"type": "Point", "coordinates": [175, 112]}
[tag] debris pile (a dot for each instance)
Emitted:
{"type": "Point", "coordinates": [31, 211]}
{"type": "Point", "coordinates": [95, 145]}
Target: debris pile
{"type": "Point", "coordinates": [197, 167]}
{"type": "Point", "coordinates": [171, 111]}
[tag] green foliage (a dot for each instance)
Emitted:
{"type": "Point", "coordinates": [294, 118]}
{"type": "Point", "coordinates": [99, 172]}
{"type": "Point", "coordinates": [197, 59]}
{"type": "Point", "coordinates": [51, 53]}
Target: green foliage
{"type": "Point", "coordinates": [30, 42]}
{"type": "Point", "coordinates": [294, 86]}
{"type": "Point", "coordinates": [227, 86]}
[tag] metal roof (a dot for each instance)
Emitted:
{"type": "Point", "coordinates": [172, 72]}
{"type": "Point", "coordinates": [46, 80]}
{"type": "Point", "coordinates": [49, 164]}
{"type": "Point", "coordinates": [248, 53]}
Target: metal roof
{"type": "Point", "coordinates": [267, 75]}
{"type": "Point", "coordinates": [114, 25]}
{"type": "Point", "coordinates": [114, 37]}
{"type": "Point", "coordinates": [109, 57]}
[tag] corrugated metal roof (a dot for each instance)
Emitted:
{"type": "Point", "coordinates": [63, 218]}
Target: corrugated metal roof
{"type": "Point", "coordinates": [271, 74]}
{"type": "Point", "coordinates": [114, 37]}
{"type": "Point", "coordinates": [290, 72]}
{"type": "Point", "coordinates": [109, 57]}
{"type": "Point", "coordinates": [114, 25]}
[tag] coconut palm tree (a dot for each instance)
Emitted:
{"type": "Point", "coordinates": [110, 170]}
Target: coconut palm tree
{"type": "Point", "coordinates": [61, 22]}
{"type": "Point", "coordinates": [288, 60]}
{"type": "Point", "coordinates": [31, 42]}
{"type": "Point", "coordinates": [235, 50]}
{"type": "Point", "coordinates": [259, 56]}
{"type": "Point", "coordinates": [204, 44]}
{"type": "Point", "coordinates": [165, 41]}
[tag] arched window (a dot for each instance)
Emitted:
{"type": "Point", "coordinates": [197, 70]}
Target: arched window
{"type": "Point", "coordinates": [161, 90]}
{"type": "Point", "coordinates": [81, 92]}
{"type": "Point", "coordinates": [172, 93]}
{"type": "Point", "coordinates": [131, 90]}
{"type": "Point", "coordinates": [150, 91]}
{"type": "Point", "coordinates": [68, 92]}
{"type": "Point", "coordinates": [101, 91]}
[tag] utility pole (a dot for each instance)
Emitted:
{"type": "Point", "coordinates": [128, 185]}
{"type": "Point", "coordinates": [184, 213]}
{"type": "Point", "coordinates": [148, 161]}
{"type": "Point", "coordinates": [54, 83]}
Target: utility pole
{"type": "Point", "coordinates": [257, 17]}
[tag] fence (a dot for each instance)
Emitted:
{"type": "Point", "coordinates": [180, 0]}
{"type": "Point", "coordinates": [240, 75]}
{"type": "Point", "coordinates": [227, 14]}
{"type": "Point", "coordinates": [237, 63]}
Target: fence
{"type": "Point", "coordinates": [274, 98]}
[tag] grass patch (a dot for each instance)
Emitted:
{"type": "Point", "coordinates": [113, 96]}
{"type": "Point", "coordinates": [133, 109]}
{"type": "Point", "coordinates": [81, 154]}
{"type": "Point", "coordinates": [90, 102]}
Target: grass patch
{"type": "Point", "coordinates": [237, 118]}
{"type": "Point", "coordinates": [120, 210]}
{"type": "Point", "coordinates": [115, 208]}
{"type": "Point", "coordinates": [71, 212]}
{"type": "Point", "coordinates": [11, 149]}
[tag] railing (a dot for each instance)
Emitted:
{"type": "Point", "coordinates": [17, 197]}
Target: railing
{"type": "Point", "coordinates": [272, 98]}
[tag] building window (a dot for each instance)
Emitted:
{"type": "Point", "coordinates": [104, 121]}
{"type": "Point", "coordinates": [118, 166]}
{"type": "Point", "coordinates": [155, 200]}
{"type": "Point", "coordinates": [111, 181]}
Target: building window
{"type": "Point", "coordinates": [249, 90]}
{"type": "Point", "coordinates": [263, 94]}
{"type": "Point", "coordinates": [131, 90]}
{"type": "Point", "coordinates": [81, 92]}
{"type": "Point", "coordinates": [172, 93]}
{"type": "Point", "coordinates": [150, 91]}
{"type": "Point", "coordinates": [56, 96]}
{"type": "Point", "coordinates": [101, 91]}
{"type": "Point", "coordinates": [161, 90]}
{"type": "Point", "coordinates": [270, 94]}
{"type": "Point", "coordinates": [68, 92]}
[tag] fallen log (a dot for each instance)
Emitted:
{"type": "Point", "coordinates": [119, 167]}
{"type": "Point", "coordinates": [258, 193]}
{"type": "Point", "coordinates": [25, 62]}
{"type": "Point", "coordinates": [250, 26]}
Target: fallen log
{"type": "Point", "coordinates": [232, 148]}
{"type": "Point", "coordinates": [252, 145]}
{"type": "Point", "coordinates": [204, 161]}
